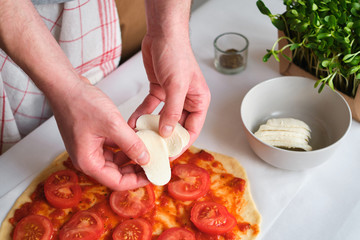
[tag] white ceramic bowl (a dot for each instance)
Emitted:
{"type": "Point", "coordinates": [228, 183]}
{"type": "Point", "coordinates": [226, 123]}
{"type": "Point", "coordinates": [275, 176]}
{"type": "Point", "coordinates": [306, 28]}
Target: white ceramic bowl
{"type": "Point", "coordinates": [327, 114]}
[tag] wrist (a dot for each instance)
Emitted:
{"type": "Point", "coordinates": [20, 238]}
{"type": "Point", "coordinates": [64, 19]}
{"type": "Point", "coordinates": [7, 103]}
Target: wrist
{"type": "Point", "coordinates": [167, 18]}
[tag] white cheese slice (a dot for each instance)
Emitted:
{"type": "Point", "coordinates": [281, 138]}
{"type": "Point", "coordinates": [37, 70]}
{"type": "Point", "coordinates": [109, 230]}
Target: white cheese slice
{"type": "Point", "coordinates": [289, 145]}
{"type": "Point", "coordinates": [157, 169]}
{"type": "Point", "coordinates": [287, 123]}
{"type": "Point", "coordinates": [282, 134]}
{"type": "Point", "coordinates": [284, 139]}
{"type": "Point", "coordinates": [160, 149]}
{"type": "Point", "coordinates": [175, 143]}
{"type": "Point", "coordinates": [267, 128]}
{"type": "Point", "coordinates": [286, 133]}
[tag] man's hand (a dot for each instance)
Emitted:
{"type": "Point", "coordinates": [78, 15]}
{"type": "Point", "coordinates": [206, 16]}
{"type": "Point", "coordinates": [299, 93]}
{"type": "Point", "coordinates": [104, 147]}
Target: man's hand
{"type": "Point", "coordinates": [89, 122]}
{"type": "Point", "coordinates": [87, 119]}
{"type": "Point", "coordinates": [175, 78]}
{"type": "Point", "coordinates": [174, 75]}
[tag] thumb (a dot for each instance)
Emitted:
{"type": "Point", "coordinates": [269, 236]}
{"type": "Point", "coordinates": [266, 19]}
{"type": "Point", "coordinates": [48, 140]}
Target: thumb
{"type": "Point", "coordinates": [130, 144]}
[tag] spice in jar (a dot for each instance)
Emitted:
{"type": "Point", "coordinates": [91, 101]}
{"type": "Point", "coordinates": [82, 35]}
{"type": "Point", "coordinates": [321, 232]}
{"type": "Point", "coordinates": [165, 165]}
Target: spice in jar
{"type": "Point", "coordinates": [231, 60]}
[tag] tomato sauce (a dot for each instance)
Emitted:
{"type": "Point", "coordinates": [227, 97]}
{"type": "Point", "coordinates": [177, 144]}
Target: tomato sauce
{"type": "Point", "coordinates": [231, 188]}
{"type": "Point", "coordinates": [168, 212]}
{"type": "Point", "coordinates": [21, 213]}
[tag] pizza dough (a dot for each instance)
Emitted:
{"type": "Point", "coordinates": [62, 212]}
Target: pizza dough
{"type": "Point", "coordinates": [6, 228]}
{"type": "Point", "coordinates": [246, 212]}
{"type": "Point", "coordinates": [232, 166]}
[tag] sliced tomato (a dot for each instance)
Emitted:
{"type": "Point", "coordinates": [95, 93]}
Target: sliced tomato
{"type": "Point", "coordinates": [177, 233]}
{"type": "Point", "coordinates": [133, 203]}
{"type": "Point", "coordinates": [84, 225]}
{"type": "Point", "coordinates": [212, 218]}
{"type": "Point", "coordinates": [34, 227]}
{"type": "Point", "coordinates": [205, 236]}
{"type": "Point", "coordinates": [62, 189]}
{"type": "Point", "coordinates": [189, 182]}
{"type": "Point", "coordinates": [135, 229]}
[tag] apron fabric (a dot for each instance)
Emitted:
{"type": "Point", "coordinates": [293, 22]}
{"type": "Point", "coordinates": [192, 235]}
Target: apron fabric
{"type": "Point", "coordinates": [88, 31]}
{"type": "Point", "coordinates": [37, 2]}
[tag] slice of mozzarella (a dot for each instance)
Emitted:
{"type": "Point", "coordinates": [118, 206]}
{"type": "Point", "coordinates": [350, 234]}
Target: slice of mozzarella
{"type": "Point", "coordinates": [267, 128]}
{"type": "Point", "coordinates": [287, 133]}
{"type": "Point", "coordinates": [287, 123]}
{"type": "Point", "coordinates": [284, 139]}
{"type": "Point", "coordinates": [175, 143]}
{"type": "Point", "coordinates": [157, 169]}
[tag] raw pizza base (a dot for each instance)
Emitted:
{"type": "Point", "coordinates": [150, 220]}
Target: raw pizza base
{"type": "Point", "coordinates": [232, 166]}
{"type": "Point", "coordinates": [250, 213]}
{"type": "Point", "coordinates": [57, 164]}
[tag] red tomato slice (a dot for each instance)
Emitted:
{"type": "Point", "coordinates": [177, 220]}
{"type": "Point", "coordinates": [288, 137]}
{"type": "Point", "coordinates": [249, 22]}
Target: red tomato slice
{"type": "Point", "coordinates": [212, 218]}
{"type": "Point", "coordinates": [134, 229]}
{"type": "Point", "coordinates": [84, 225]}
{"type": "Point", "coordinates": [34, 227]}
{"type": "Point", "coordinates": [133, 203]}
{"type": "Point", "coordinates": [205, 236]}
{"type": "Point", "coordinates": [177, 233]}
{"type": "Point", "coordinates": [190, 182]}
{"type": "Point", "coordinates": [62, 189]}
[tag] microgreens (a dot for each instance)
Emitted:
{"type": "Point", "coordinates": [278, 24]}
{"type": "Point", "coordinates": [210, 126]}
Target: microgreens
{"type": "Point", "coordinates": [324, 37]}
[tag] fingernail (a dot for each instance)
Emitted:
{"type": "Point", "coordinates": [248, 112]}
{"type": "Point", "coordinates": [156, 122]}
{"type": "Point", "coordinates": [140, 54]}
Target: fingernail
{"type": "Point", "coordinates": [143, 158]}
{"type": "Point", "coordinates": [167, 131]}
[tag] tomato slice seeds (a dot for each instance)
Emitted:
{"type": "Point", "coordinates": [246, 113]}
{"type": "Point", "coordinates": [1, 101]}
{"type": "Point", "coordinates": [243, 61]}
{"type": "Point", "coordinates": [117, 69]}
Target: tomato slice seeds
{"type": "Point", "coordinates": [133, 203]}
{"type": "Point", "coordinates": [189, 182]}
{"type": "Point", "coordinates": [177, 233]}
{"type": "Point", "coordinates": [212, 218]}
{"type": "Point", "coordinates": [62, 189]}
{"type": "Point", "coordinates": [134, 229]}
{"type": "Point", "coordinates": [84, 225]}
{"type": "Point", "coordinates": [33, 227]}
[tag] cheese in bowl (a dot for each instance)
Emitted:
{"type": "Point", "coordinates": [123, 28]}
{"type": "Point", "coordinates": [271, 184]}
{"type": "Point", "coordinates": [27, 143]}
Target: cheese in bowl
{"type": "Point", "coordinates": [273, 102]}
{"type": "Point", "coordinates": [286, 133]}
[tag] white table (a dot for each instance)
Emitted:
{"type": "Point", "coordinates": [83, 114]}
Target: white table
{"type": "Point", "coordinates": [321, 203]}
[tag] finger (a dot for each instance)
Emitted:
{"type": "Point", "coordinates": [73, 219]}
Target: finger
{"type": "Point", "coordinates": [116, 180]}
{"type": "Point", "coordinates": [193, 124]}
{"type": "Point", "coordinates": [120, 159]}
{"type": "Point", "coordinates": [131, 168]}
{"type": "Point", "coordinates": [149, 104]}
{"type": "Point", "coordinates": [125, 137]}
{"type": "Point", "coordinates": [129, 179]}
{"type": "Point", "coordinates": [196, 106]}
{"type": "Point", "coordinates": [172, 110]}
{"type": "Point", "coordinates": [111, 164]}
{"type": "Point", "coordinates": [108, 154]}
{"type": "Point", "coordinates": [110, 143]}
{"type": "Point", "coordinates": [184, 115]}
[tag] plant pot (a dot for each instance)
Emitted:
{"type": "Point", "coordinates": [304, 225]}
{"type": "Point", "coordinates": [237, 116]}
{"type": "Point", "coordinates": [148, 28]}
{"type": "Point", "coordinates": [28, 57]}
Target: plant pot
{"type": "Point", "coordinates": [290, 69]}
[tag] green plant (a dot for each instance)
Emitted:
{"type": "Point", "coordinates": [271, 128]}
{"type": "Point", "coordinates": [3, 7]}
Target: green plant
{"type": "Point", "coordinates": [324, 37]}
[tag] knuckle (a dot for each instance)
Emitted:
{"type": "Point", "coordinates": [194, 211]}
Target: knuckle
{"type": "Point", "coordinates": [175, 84]}
{"type": "Point", "coordinates": [88, 167]}
{"type": "Point", "coordinates": [113, 125]}
{"type": "Point", "coordinates": [172, 116]}
{"type": "Point", "coordinates": [135, 149]}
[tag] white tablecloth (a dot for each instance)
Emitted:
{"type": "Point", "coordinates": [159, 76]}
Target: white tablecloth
{"type": "Point", "coordinates": [320, 203]}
